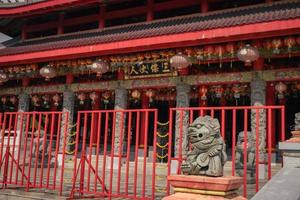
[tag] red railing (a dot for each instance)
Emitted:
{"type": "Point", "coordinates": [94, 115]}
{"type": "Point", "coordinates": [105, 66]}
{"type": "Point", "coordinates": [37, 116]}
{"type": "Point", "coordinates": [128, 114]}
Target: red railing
{"type": "Point", "coordinates": [258, 119]}
{"type": "Point", "coordinates": [112, 136]}
{"type": "Point", "coordinates": [31, 151]}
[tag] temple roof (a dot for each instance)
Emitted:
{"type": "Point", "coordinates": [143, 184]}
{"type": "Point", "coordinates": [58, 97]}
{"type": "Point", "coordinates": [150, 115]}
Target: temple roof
{"type": "Point", "coordinates": [225, 18]}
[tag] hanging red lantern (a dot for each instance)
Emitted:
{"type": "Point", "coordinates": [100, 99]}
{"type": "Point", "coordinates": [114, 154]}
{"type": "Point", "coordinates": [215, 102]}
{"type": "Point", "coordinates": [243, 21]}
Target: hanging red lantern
{"type": "Point", "coordinates": [230, 48]}
{"type": "Point", "coordinates": [3, 100]}
{"type": "Point", "coordinates": [140, 57]}
{"type": "Point", "coordinates": [35, 100]}
{"type": "Point", "coordinates": [136, 94]}
{"type": "Point", "coordinates": [150, 94]}
{"type": "Point", "coordinates": [219, 90]}
{"type": "Point", "coordinates": [48, 72]}
{"type": "Point", "coordinates": [13, 99]}
{"type": "Point", "coordinates": [236, 90]}
{"type": "Point", "coordinates": [189, 51]}
{"type": "Point", "coordinates": [208, 51]}
{"type": "Point", "coordinates": [248, 54]}
{"type": "Point", "coordinates": [276, 44]}
{"type": "Point", "coordinates": [3, 77]}
{"type": "Point", "coordinates": [93, 96]}
{"type": "Point", "coordinates": [289, 42]}
{"type": "Point", "coordinates": [280, 88]}
{"type": "Point", "coordinates": [81, 96]}
{"type": "Point", "coordinates": [203, 92]}
{"type": "Point", "coordinates": [219, 50]}
{"type": "Point", "coordinates": [155, 55]}
{"type": "Point", "coordinates": [180, 61]}
{"type": "Point", "coordinates": [268, 45]}
{"type": "Point", "coordinates": [56, 98]}
{"type": "Point", "coordinates": [100, 67]}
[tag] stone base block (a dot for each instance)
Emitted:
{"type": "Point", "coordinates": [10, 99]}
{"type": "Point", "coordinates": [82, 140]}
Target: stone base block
{"type": "Point", "coordinates": [188, 187]}
{"type": "Point", "coordinates": [190, 196]}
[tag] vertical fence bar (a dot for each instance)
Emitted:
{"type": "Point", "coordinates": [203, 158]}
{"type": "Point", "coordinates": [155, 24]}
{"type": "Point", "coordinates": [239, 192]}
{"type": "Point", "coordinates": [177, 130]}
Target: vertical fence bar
{"type": "Point", "coordinates": [154, 155]}
{"type": "Point", "coordinates": [64, 152]}
{"type": "Point", "coordinates": [2, 139]}
{"type": "Point", "coordinates": [14, 147]}
{"type": "Point", "coordinates": [128, 152]}
{"type": "Point", "coordinates": [180, 141]}
{"type": "Point", "coordinates": [56, 149]}
{"type": "Point", "coordinates": [145, 153]}
{"type": "Point", "coordinates": [257, 150]}
{"type": "Point", "coordinates": [269, 142]}
{"type": "Point", "coordinates": [137, 131]}
{"type": "Point", "coordinates": [8, 148]}
{"type": "Point", "coordinates": [223, 123]}
{"type": "Point", "coordinates": [245, 150]}
{"type": "Point", "coordinates": [83, 154]}
{"type": "Point", "coordinates": [50, 149]}
{"type": "Point", "coordinates": [30, 150]}
{"type": "Point", "coordinates": [25, 147]}
{"type": "Point", "coordinates": [37, 149]}
{"type": "Point", "coordinates": [90, 151]}
{"type": "Point", "coordinates": [105, 151]}
{"type": "Point", "coordinates": [120, 152]}
{"type": "Point", "coordinates": [169, 149]}
{"type": "Point", "coordinates": [112, 156]}
{"type": "Point", "coordinates": [97, 149]}
{"type": "Point", "coordinates": [282, 123]}
{"type": "Point", "coordinates": [43, 153]}
{"type": "Point", "coordinates": [20, 142]}
{"type": "Point", "coordinates": [233, 142]}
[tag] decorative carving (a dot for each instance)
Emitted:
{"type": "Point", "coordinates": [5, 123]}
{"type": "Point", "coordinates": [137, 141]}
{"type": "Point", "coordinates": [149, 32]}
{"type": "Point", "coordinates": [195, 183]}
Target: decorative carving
{"type": "Point", "coordinates": [182, 118]}
{"type": "Point", "coordinates": [207, 155]}
{"type": "Point", "coordinates": [297, 121]}
{"type": "Point", "coordinates": [258, 90]}
{"type": "Point", "coordinates": [239, 155]}
{"type": "Point", "coordinates": [120, 104]}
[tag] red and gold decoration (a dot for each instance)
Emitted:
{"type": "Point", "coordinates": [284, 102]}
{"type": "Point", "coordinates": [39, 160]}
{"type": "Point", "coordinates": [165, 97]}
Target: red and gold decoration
{"type": "Point", "coordinates": [180, 61]}
{"type": "Point", "coordinates": [150, 93]}
{"type": "Point", "coordinates": [3, 77]}
{"type": "Point", "coordinates": [82, 97]}
{"type": "Point", "coordinates": [56, 99]}
{"type": "Point", "coordinates": [136, 94]}
{"type": "Point", "coordinates": [94, 97]}
{"type": "Point", "coordinates": [289, 42]}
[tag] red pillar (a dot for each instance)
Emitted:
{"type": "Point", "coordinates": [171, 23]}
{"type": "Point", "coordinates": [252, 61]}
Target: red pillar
{"type": "Point", "coordinates": [120, 74]}
{"type": "Point", "coordinates": [145, 105]}
{"type": "Point", "coordinates": [259, 64]}
{"type": "Point", "coordinates": [69, 78]}
{"type": "Point", "coordinates": [24, 33]}
{"type": "Point", "coordinates": [102, 17]}
{"type": "Point", "coordinates": [204, 6]}
{"type": "Point", "coordinates": [60, 28]}
{"type": "Point", "coordinates": [150, 10]}
{"type": "Point", "coordinates": [25, 82]}
{"type": "Point", "coordinates": [270, 100]}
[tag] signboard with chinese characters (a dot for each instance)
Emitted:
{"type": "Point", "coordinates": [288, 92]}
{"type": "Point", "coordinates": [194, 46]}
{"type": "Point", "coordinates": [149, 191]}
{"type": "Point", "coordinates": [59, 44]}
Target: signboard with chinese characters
{"type": "Point", "coordinates": [150, 69]}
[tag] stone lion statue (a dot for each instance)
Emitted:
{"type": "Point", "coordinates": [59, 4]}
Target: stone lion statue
{"type": "Point", "coordinates": [207, 155]}
{"type": "Point", "coordinates": [239, 156]}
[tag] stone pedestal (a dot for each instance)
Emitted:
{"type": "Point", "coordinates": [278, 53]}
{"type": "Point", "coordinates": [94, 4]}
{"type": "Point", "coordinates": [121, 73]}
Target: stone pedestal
{"type": "Point", "coordinates": [187, 187]}
{"type": "Point", "coordinates": [291, 150]}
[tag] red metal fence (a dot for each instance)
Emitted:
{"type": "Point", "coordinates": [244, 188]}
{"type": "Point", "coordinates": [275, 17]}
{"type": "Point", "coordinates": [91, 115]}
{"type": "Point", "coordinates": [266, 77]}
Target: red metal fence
{"type": "Point", "coordinates": [115, 151]}
{"type": "Point", "coordinates": [32, 149]}
{"type": "Point", "coordinates": [108, 159]}
{"type": "Point", "coordinates": [253, 123]}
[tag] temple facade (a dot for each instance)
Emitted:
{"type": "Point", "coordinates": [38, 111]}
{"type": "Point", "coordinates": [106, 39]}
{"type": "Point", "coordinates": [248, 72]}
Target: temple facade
{"type": "Point", "coordinates": [103, 55]}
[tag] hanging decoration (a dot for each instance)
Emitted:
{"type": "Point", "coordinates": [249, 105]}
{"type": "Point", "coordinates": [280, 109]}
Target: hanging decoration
{"type": "Point", "coordinates": [281, 89]}
{"type": "Point", "coordinates": [236, 88]}
{"type": "Point", "coordinates": [203, 92]}
{"type": "Point", "coordinates": [35, 100]}
{"type": "Point", "coordinates": [230, 49]}
{"type": "Point", "coordinates": [56, 99]}
{"type": "Point", "coordinates": [220, 53]}
{"type": "Point", "coordinates": [82, 97]}
{"type": "Point", "coordinates": [150, 94]}
{"type": "Point", "coordinates": [219, 90]}
{"type": "Point", "coordinates": [248, 54]}
{"type": "Point", "coordinates": [289, 42]}
{"type": "Point", "coordinates": [136, 94]}
{"type": "Point", "coordinates": [3, 77]}
{"type": "Point", "coordinates": [276, 44]}
{"type": "Point", "coordinates": [93, 96]}
{"type": "Point", "coordinates": [100, 67]}
{"type": "Point", "coordinates": [208, 52]}
{"type": "Point", "coordinates": [48, 72]}
{"type": "Point", "coordinates": [180, 61]}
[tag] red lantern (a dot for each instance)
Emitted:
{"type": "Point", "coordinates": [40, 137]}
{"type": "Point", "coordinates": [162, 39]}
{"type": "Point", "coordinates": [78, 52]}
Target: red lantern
{"type": "Point", "coordinates": [180, 61]}
{"type": "Point", "coordinates": [136, 94]}
{"type": "Point", "coordinates": [219, 51]}
{"type": "Point", "coordinates": [230, 48]}
{"type": "Point", "coordinates": [236, 90]}
{"type": "Point", "coordinates": [35, 99]}
{"type": "Point", "coordinates": [48, 72]}
{"type": "Point", "coordinates": [277, 44]}
{"type": "Point", "coordinates": [219, 91]}
{"type": "Point", "coordinates": [81, 98]}
{"type": "Point", "coordinates": [3, 77]}
{"type": "Point", "coordinates": [56, 98]}
{"type": "Point", "coordinates": [3, 100]}
{"type": "Point", "coordinates": [203, 92]}
{"type": "Point", "coordinates": [150, 94]}
{"type": "Point", "coordinates": [208, 51]}
{"type": "Point", "coordinates": [248, 54]}
{"type": "Point", "coordinates": [289, 42]}
{"type": "Point", "coordinates": [93, 96]}
{"type": "Point", "coordinates": [100, 67]}
{"type": "Point", "coordinates": [280, 88]}
{"type": "Point", "coordinates": [13, 99]}
{"type": "Point", "coordinates": [189, 52]}
{"type": "Point", "coordinates": [268, 45]}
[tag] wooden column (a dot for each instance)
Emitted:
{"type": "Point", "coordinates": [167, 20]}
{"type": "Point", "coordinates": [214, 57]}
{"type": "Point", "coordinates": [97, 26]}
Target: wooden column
{"type": "Point", "coordinates": [102, 16]}
{"type": "Point", "coordinates": [145, 105]}
{"type": "Point", "coordinates": [150, 10]}
{"type": "Point", "coordinates": [120, 74]}
{"type": "Point", "coordinates": [24, 32]}
{"type": "Point", "coordinates": [259, 64]}
{"type": "Point", "coordinates": [60, 28]}
{"type": "Point", "coordinates": [69, 78]}
{"type": "Point", "coordinates": [204, 6]}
